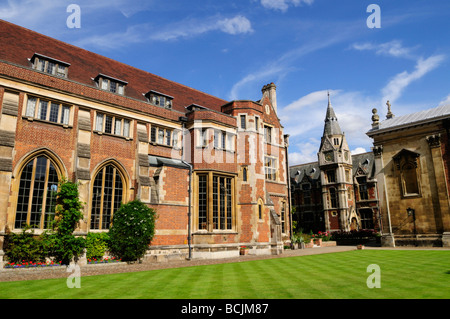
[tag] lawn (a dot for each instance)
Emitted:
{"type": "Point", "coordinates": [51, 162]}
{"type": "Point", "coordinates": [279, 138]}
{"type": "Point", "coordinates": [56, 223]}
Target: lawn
{"type": "Point", "coordinates": [403, 274]}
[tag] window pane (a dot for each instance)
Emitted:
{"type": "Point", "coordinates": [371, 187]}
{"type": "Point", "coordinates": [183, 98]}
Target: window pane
{"type": "Point", "coordinates": [112, 86]}
{"type": "Point", "coordinates": [54, 110]}
{"type": "Point", "coordinates": [65, 115]}
{"type": "Point", "coordinates": [24, 195]}
{"type": "Point", "coordinates": [104, 84]}
{"type": "Point", "coordinates": [118, 127]}
{"type": "Point", "coordinates": [42, 111]}
{"type": "Point", "coordinates": [229, 207]}
{"type": "Point", "coordinates": [31, 106]}
{"type": "Point", "coordinates": [153, 134]}
{"type": "Point", "coordinates": [126, 128]}
{"type": "Point", "coordinates": [61, 71]}
{"type": "Point", "coordinates": [52, 189]}
{"type": "Point", "coordinates": [50, 68]}
{"type": "Point", "coordinates": [96, 201]}
{"type": "Point", "coordinates": [168, 136]}
{"type": "Point", "coordinates": [38, 192]}
{"type": "Point", "coordinates": [202, 202]}
{"type": "Point", "coordinates": [99, 122]}
{"type": "Point", "coordinates": [120, 91]}
{"type": "Point", "coordinates": [223, 192]}
{"type": "Point", "coordinates": [243, 124]}
{"type": "Point", "coordinates": [215, 203]}
{"type": "Point", "coordinates": [108, 124]}
{"type": "Point", "coordinates": [107, 196]}
{"type": "Point", "coordinates": [160, 136]}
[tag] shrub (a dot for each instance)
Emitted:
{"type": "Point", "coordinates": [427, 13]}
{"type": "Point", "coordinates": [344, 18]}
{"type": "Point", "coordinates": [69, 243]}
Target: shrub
{"type": "Point", "coordinates": [133, 228]}
{"type": "Point", "coordinates": [24, 247]}
{"type": "Point", "coordinates": [96, 245]}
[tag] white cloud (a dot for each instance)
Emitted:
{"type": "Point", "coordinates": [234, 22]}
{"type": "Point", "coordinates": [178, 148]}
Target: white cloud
{"type": "Point", "coordinates": [307, 152]}
{"type": "Point", "coordinates": [392, 48]}
{"type": "Point", "coordinates": [398, 83]}
{"type": "Point", "coordinates": [446, 101]}
{"type": "Point", "coordinates": [184, 29]}
{"type": "Point", "coordinates": [283, 5]}
{"type": "Point", "coordinates": [236, 25]}
{"type": "Point", "coordinates": [358, 150]}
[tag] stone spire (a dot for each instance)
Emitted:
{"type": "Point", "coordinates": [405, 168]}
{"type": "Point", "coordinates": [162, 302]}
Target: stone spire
{"type": "Point", "coordinates": [331, 122]}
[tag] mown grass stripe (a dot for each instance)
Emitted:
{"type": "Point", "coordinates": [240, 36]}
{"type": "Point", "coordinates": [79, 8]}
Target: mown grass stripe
{"type": "Point", "coordinates": [404, 274]}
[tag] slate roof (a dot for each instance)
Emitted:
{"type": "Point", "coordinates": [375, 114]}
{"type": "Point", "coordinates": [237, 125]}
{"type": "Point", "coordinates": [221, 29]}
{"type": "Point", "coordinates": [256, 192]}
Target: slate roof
{"type": "Point", "coordinates": [366, 162]}
{"type": "Point", "coordinates": [298, 172]}
{"type": "Point", "coordinates": [421, 117]}
{"type": "Point", "coordinates": [19, 44]}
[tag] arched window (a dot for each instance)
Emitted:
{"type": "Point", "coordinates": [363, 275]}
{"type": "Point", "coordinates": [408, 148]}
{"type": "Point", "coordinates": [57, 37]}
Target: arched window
{"type": "Point", "coordinates": [37, 193]}
{"type": "Point", "coordinates": [107, 195]}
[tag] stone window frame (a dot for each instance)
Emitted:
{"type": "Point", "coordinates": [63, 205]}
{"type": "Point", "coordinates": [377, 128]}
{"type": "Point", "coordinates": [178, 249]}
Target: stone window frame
{"type": "Point", "coordinates": [407, 162]}
{"type": "Point", "coordinates": [61, 173]}
{"type": "Point", "coordinates": [34, 111]}
{"type": "Point", "coordinates": [114, 120]}
{"type": "Point", "coordinates": [204, 203]}
{"type": "Point", "coordinates": [118, 170]}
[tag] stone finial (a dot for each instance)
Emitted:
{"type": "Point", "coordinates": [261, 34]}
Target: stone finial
{"type": "Point", "coordinates": [389, 114]}
{"type": "Point", "coordinates": [375, 118]}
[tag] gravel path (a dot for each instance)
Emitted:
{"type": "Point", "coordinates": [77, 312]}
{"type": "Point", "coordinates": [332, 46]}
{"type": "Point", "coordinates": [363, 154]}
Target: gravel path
{"type": "Point", "coordinates": [91, 270]}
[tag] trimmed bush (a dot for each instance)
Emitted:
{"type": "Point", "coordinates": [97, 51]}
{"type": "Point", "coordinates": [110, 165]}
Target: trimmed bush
{"type": "Point", "coordinates": [24, 247]}
{"type": "Point", "coordinates": [96, 245]}
{"type": "Point", "coordinates": [133, 228]}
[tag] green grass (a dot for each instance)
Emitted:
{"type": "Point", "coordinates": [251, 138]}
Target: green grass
{"type": "Point", "coordinates": [404, 274]}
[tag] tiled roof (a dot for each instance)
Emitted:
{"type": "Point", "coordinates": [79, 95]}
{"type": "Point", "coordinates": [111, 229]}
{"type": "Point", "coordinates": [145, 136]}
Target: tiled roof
{"type": "Point", "coordinates": [19, 44]}
{"type": "Point", "coordinates": [424, 116]}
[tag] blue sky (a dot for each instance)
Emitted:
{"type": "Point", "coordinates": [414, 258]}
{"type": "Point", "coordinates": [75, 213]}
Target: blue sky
{"type": "Point", "coordinates": [306, 47]}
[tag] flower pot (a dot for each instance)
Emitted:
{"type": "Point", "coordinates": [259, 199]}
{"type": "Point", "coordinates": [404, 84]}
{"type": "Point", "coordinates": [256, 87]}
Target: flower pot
{"type": "Point", "coordinates": [243, 252]}
{"type": "Point", "coordinates": [360, 247]}
{"type": "Point", "coordinates": [318, 241]}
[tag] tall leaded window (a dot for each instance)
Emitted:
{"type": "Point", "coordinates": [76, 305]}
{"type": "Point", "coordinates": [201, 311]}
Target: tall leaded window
{"type": "Point", "coordinates": [283, 217]}
{"type": "Point", "coordinates": [333, 198]}
{"type": "Point", "coordinates": [362, 185]}
{"type": "Point", "coordinates": [218, 213]}
{"type": "Point", "coordinates": [37, 194]}
{"type": "Point", "coordinates": [107, 196]}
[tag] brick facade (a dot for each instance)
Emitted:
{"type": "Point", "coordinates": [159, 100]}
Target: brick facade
{"type": "Point", "coordinates": [123, 145]}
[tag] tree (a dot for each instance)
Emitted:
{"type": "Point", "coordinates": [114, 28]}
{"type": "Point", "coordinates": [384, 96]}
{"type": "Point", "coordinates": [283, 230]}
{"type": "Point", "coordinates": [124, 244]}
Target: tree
{"type": "Point", "coordinates": [61, 243]}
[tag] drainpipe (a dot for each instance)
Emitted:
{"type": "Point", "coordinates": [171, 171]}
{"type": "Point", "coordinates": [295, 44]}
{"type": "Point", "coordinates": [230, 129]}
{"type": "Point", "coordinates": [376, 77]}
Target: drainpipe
{"type": "Point", "coordinates": [183, 121]}
{"type": "Point", "coordinates": [288, 180]}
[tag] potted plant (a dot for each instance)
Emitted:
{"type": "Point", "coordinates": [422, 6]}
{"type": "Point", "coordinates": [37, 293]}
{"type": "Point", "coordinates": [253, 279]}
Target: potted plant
{"type": "Point", "coordinates": [243, 250]}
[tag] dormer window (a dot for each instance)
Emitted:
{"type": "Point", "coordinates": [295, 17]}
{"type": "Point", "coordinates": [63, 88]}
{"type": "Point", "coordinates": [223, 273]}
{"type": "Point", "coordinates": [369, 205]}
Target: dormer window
{"type": "Point", "coordinates": [159, 99]}
{"type": "Point", "coordinates": [49, 65]}
{"type": "Point", "coordinates": [110, 84]}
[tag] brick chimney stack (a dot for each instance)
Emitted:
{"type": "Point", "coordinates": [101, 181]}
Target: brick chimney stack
{"type": "Point", "coordinates": [271, 91]}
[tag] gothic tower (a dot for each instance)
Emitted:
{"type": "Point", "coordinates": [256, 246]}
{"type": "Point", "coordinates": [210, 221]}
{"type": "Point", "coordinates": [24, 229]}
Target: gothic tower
{"type": "Point", "coordinates": [335, 163]}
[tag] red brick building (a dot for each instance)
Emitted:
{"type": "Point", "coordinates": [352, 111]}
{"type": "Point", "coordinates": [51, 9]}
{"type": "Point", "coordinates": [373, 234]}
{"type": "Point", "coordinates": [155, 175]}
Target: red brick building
{"type": "Point", "coordinates": [214, 170]}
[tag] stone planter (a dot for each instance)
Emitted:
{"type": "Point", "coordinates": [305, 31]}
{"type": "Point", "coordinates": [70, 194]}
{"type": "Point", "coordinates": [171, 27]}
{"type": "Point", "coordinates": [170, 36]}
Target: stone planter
{"type": "Point", "coordinates": [243, 251]}
{"type": "Point", "coordinates": [318, 241]}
